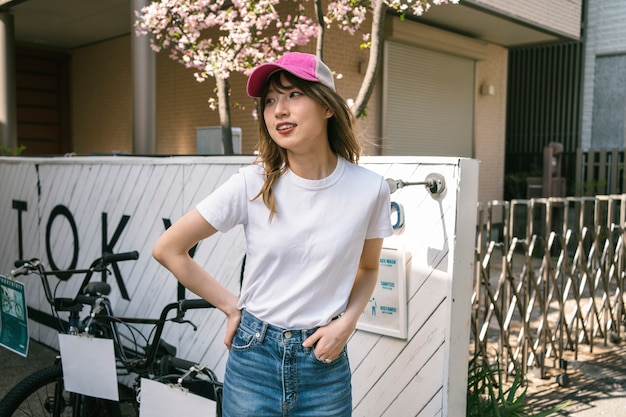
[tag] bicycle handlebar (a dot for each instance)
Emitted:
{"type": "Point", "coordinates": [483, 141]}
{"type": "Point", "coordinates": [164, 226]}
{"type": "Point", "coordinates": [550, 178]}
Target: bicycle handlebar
{"type": "Point", "coordinates": [23, 267]}
{"type": "Point", "coordinates": [21, 263]}
{"type": "Point", "coordinates": [34, 265]}
{"type": "Point", "coordinates": [194, 304]}
{"type": "Point", "coordinates": [108, 258]}
{"type": "Point", "coordinates": [28, 265]}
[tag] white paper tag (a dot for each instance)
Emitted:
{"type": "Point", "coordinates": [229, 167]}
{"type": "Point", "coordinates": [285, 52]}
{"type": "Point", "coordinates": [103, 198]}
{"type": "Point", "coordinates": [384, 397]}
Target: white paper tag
{"type": "Point", "coordinates": [161, 400]}
{"type": "Point", "coordinates": [89, 366]}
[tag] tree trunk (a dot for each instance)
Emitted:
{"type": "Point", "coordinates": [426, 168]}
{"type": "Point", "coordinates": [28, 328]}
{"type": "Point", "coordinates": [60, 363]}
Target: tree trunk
{"type": "Point", "coordinates": [223, 94]}
{"type": "Point", "coordinates": [376, 53]}
{"type": "Point", "coordinates": [319, 13]}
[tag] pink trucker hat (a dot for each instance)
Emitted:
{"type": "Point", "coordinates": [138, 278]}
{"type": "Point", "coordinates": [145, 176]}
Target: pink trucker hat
{"type": "Point", "coordinates": [305, 66]}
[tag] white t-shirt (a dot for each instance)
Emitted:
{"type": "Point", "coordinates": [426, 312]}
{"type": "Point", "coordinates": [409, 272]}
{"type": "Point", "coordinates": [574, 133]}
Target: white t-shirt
{"type": "Point", "coordinates": [301, 265]}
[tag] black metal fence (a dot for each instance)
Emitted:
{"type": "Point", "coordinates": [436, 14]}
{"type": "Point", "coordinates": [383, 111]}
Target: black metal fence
{"type": "Point", "coordinates": [587, 172]}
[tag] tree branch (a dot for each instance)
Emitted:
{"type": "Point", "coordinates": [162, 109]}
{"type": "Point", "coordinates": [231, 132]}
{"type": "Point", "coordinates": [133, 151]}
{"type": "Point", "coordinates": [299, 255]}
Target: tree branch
{"type": "Point", "coordinates": [375, 57]}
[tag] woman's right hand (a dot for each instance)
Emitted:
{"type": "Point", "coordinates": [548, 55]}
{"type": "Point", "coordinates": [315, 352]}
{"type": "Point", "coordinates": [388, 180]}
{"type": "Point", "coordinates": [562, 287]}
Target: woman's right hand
{"type": "Point", "coordinates": [232, 324]}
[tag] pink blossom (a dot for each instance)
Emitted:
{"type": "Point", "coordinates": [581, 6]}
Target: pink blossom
{"type": "Point", "coordinates": [248, 32]}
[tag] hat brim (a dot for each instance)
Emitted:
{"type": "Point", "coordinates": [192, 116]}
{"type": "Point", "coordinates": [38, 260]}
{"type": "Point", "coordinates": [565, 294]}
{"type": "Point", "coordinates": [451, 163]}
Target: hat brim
{"type": "Point", "coordinates": [258, 77]}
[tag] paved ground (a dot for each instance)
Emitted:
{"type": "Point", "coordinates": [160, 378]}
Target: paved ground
{"type": "Point", "coordinates": [597, 382]}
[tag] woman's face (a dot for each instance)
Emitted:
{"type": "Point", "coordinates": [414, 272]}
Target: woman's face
{"type": "Point", "coordinates": [294, 120]}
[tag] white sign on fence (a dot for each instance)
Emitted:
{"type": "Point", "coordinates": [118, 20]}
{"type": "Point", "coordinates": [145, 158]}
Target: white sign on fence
{"type": "Point", "coordinates": [386, 310]}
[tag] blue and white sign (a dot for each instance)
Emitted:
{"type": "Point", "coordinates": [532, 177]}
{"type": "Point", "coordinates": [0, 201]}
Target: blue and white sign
{"type": "Point", "coordinates": [13, 317]}
{"type": "Point", "coordinates": [385, 312]}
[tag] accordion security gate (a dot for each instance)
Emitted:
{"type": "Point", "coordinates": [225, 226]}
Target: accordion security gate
{"type": "Point", "coordinates": [541, 292]}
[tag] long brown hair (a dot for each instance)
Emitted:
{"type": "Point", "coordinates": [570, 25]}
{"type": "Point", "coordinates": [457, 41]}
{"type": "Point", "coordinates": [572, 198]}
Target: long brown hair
{"type": "Point", "coordinates": [341, 134]}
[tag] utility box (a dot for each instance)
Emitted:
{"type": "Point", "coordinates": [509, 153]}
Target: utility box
{"type": "Point", "coordinates": [534, 187]}
{"type": "Point", "coordinates": [551, 183]}
{"type": "Point", "coordinates": [209, 140]}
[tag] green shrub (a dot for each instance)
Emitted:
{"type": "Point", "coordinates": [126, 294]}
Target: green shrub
{"type": "Point", "coordinates": [6, 151]}
{"type": "Point", "coordinates": [487, 396]}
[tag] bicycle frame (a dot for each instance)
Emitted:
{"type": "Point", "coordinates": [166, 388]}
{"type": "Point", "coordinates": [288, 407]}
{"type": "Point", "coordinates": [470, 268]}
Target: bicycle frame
{"type": "Point", "coordinates": [142, 359]}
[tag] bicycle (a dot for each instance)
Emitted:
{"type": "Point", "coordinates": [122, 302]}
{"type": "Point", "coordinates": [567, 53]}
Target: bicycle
{"type": "Point", "coordinates": [43, 393]}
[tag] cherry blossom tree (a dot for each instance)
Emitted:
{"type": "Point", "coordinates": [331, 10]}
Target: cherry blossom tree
{"type": "Point", "coordinates": [220, 37]}
{"type": "Point", "coordinates": [349, 15]}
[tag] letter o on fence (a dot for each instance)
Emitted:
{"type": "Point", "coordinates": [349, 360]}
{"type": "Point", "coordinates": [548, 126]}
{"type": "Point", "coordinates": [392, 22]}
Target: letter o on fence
{"type": "Point", "coordinates": [61, 210]}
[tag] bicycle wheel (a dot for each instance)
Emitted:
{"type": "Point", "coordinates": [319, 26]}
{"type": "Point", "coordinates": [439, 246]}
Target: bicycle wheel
{"type": "Point", "coordinates": [42, 395]}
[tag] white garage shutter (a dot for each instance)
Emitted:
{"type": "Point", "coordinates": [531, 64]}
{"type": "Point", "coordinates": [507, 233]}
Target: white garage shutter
{"type": "Point", "coordinates": [428, 103]}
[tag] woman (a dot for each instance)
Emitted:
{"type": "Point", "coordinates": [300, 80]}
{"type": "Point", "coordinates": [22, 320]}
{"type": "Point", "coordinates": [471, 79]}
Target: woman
{"type": "Point", "coordinates": [314, 224]}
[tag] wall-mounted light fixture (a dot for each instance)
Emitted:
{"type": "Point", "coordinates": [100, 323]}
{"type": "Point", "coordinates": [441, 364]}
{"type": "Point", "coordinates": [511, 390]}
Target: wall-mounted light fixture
{"type": "Point", "coordinates": [487, 90]}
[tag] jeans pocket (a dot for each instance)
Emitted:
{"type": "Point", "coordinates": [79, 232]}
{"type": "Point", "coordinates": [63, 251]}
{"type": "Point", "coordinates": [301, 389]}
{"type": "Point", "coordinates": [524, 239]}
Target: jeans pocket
{"type": "Point", "coordinates": [342, 354]}
{"type": "Point", "coordinates": [244, 339]}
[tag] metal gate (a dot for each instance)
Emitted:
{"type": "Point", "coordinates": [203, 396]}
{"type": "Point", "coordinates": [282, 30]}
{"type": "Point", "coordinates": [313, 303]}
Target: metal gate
{"type": "Point", "coordinates": [549, 279]}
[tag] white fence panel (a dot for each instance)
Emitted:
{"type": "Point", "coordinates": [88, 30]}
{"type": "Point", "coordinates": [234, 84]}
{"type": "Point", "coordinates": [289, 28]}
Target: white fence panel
{"type": "Point", "coordinates": [67, 211]}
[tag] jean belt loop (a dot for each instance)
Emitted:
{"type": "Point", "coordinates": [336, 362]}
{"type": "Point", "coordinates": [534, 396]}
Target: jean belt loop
{"type": "Point", "coordinates": [305, 335]}
{"type": "Point", "coordinates": [261, 334]}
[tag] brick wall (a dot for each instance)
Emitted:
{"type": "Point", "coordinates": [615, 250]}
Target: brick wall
{"type": "Point", "coordinates": [490, 126]}
{"type": "Point", "coordinates": [101, 98]}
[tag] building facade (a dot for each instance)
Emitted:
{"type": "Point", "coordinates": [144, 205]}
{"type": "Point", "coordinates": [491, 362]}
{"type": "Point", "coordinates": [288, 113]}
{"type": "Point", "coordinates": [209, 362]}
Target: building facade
{"type": "Point", "coordinates": [86, 85]}
{"type": "Point", "coordinates": [604, 93]}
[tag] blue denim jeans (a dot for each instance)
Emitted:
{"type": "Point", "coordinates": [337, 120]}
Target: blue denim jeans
{"type": "Point", "coordinates": [270, 374]}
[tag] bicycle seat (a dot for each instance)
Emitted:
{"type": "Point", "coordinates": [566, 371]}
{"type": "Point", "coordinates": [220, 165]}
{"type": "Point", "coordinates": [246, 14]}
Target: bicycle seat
{"type": "Point", "coordinates": [97, 288]}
